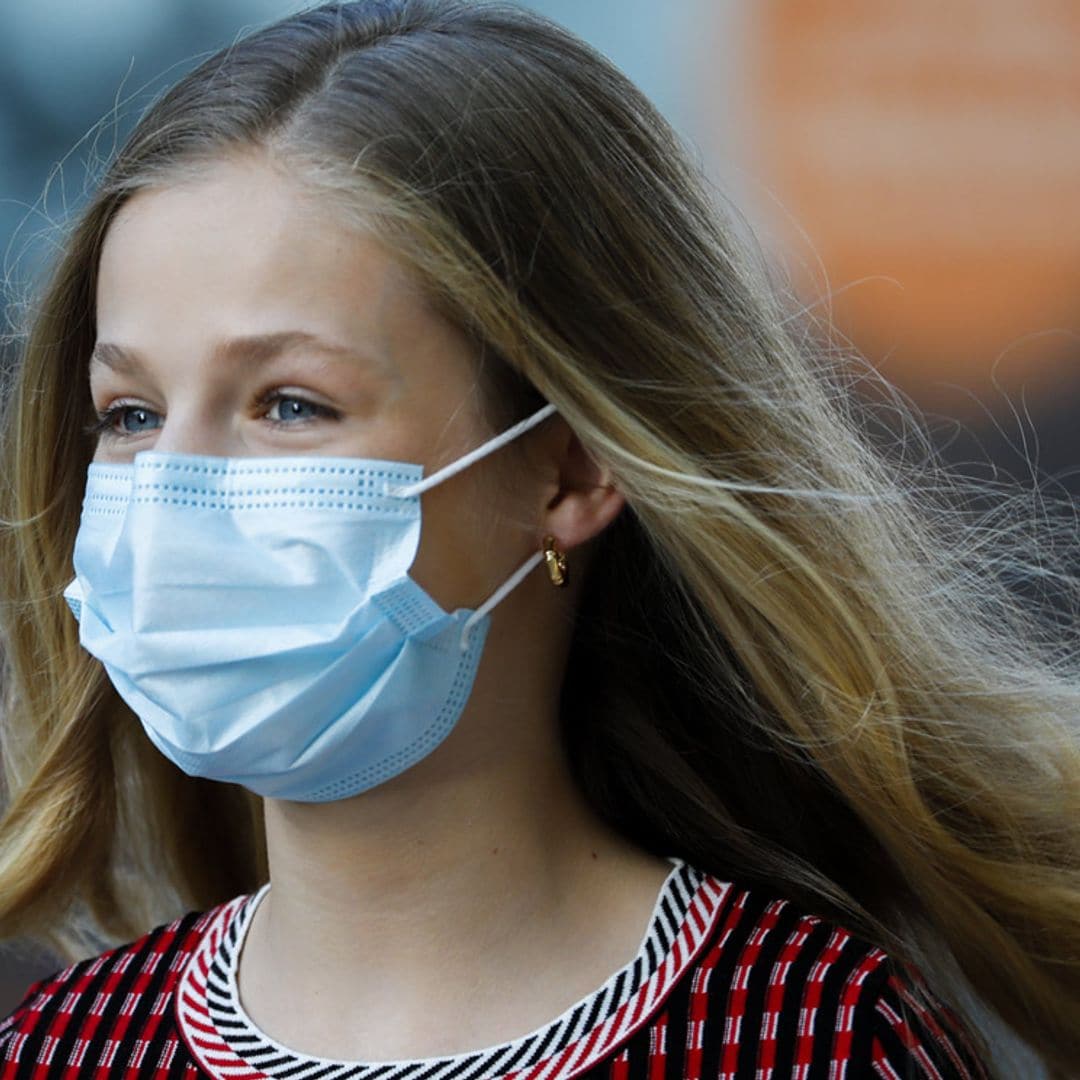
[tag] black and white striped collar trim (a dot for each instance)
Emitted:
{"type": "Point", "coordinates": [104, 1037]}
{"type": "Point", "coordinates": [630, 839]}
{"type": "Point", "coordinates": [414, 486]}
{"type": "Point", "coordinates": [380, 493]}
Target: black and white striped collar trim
{"type": "Point", "coordinates": [226, 1042]}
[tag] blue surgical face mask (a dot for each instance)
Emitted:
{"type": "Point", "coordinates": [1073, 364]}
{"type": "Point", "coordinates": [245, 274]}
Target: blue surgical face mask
{"type": "Point", "coordinates": [258, 616]}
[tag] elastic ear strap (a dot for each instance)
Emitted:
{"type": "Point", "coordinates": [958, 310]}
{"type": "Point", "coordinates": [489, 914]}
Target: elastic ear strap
{"type": "Point", "coordinates": [466, 460]}
{"type": "Point", "coordinates": [533, 560]}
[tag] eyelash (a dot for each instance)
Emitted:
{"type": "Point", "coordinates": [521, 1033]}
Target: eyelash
{"type": "Point", "coordinates": [104, 425]}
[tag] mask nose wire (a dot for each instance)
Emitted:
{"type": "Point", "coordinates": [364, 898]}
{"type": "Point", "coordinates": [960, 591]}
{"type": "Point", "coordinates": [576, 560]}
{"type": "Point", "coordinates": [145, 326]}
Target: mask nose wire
{"type": "Point", "coordinates": [466, 460]}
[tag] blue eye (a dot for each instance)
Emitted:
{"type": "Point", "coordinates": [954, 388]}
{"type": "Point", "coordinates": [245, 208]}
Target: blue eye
{"type": "Point", "coordinates": [134, 419]}
{"type": "Point", "coordinates": [277, 409]}
{"type": "Point", "coordinates": [290, 409]}
{"type": "Point", "coordinates": [123, 419]}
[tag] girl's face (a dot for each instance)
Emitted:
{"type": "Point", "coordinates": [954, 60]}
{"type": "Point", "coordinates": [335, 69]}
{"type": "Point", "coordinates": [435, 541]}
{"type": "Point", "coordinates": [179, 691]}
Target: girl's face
{"type": "Point", "coordinates": [236, 317]}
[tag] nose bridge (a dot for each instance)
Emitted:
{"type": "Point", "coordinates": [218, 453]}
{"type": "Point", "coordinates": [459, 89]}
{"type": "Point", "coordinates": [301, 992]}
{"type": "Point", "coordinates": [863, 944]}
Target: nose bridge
{"type": "Point", "coordinates": [194, 424]}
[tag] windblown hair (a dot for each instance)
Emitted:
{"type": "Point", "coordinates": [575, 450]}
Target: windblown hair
{"type": "Point", "coordinates": [800, 661]}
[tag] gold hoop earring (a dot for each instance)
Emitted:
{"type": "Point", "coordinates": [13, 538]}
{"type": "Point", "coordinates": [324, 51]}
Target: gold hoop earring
{"type": "Point", "coordinates": [556, 561]}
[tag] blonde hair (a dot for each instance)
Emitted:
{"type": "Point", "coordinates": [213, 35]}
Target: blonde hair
{"type": "Point", "coordinates": [799, 661]}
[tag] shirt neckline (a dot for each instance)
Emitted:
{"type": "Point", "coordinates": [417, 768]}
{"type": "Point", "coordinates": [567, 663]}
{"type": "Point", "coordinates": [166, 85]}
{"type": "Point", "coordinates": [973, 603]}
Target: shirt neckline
{"type": "Point", "coordinates": [224, 1038]}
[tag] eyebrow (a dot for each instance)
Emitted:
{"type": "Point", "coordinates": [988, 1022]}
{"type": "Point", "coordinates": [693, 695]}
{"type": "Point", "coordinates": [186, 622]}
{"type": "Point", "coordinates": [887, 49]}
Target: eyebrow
{"type": "Point", "coordinates": [253, 349]}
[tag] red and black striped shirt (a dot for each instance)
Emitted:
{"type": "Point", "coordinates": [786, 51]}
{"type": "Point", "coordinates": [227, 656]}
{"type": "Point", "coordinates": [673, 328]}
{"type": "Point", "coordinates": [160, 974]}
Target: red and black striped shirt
{"type": "Point", "coordinates": [727, 984]}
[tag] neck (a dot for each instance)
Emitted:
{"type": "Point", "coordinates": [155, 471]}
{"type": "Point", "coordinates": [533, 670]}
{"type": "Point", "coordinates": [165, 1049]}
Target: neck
{"type": "Point", "coordinates": [430, 918]}
{"type": "Point", "coordinates": [471, 853]}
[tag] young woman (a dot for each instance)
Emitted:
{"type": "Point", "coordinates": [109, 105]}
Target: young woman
{"type": "Point", "coordinates": [456, 627]}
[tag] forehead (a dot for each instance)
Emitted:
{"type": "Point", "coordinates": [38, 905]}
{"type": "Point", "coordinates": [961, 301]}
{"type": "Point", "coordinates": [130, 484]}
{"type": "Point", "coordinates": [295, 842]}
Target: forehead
{"type": "Point", "coordinates": [242, 246]}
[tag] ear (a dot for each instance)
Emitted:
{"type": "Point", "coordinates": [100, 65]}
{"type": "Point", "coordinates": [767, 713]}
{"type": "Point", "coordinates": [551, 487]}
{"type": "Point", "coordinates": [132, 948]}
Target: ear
{"type": "Point", "coordinates": [581, 500]}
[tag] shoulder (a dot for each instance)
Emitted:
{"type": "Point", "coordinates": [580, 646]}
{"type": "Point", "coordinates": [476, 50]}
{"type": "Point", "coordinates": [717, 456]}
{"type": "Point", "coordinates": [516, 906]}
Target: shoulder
{"type": "Point", "coordinates": [116, 1003]}
{"type": "Point", "coordinates": [777, 988]}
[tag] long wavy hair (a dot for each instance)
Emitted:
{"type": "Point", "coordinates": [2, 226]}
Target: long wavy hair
{"type": "Point", "coordinates": [801, 659]}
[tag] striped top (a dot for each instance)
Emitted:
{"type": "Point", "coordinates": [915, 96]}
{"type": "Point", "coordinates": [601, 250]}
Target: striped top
{"type": "Point", "coordinates": [726, 984]}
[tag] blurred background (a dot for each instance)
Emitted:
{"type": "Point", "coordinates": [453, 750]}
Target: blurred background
{"type": "Point", "coordinates": [913, 169]}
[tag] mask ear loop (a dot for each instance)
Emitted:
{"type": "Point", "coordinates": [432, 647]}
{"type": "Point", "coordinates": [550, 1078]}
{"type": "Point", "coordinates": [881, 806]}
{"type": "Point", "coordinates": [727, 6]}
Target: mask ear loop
{"type": "Point", "coordinates": [510, 583]}
{"type": "Point", "coordinates": [466, 460]}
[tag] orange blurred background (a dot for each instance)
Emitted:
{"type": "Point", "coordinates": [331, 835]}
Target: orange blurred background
{"type": "Point", "coordinates": [930, 153]}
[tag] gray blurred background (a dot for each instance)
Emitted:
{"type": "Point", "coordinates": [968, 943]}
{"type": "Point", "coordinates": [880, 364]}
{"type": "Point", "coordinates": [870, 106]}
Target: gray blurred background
{"type": "Point", "coordinates": [913, 172]}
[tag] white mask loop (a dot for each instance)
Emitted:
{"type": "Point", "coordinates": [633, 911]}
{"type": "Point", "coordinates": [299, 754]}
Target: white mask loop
{"type": "Point", "coordinates": [463, 462]}
{"type": "Point", "coordinates": [507, 586]}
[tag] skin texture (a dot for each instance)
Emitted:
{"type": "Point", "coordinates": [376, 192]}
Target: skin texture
{"type": "Point", "coordinates": [475, 897]}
